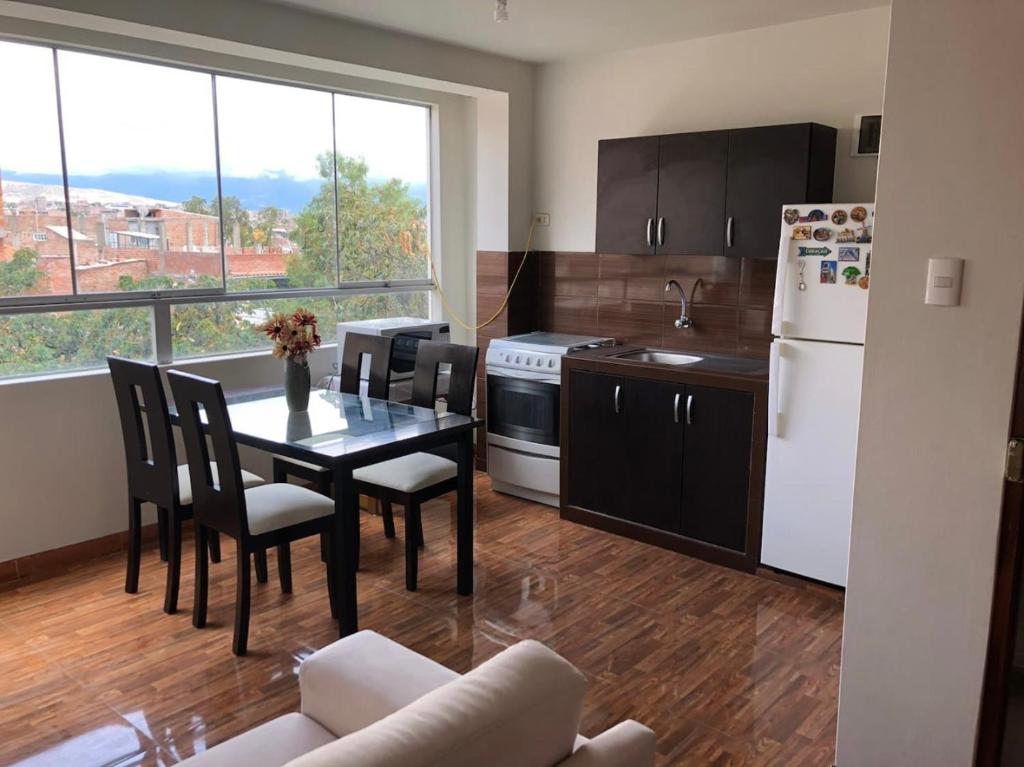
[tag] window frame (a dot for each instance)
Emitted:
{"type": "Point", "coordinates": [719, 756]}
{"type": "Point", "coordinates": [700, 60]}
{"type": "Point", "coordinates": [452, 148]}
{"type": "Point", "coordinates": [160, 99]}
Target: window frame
{"type": "Point", "coordinates": [161, 302]}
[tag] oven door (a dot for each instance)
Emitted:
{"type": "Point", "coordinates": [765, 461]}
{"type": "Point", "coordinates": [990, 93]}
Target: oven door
{"type": "Point", "coordinates": [523, 409]}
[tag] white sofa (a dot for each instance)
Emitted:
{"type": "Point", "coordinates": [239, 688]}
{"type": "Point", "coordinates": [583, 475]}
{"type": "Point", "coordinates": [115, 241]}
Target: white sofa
{"type": "Point", "coordinates": [370, 702]}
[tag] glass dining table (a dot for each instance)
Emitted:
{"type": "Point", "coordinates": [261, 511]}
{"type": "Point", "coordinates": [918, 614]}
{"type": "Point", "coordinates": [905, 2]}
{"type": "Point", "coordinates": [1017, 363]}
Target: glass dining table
{"type": "Point", "coordinates": [342, 432]}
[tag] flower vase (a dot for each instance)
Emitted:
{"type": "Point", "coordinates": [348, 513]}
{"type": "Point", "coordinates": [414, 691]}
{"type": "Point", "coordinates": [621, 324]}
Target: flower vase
{"type": "Point", "coordinates": [296, 385]}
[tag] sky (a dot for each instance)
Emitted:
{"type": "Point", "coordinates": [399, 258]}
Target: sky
{"type": "Point", "coordinates": [127, 116]}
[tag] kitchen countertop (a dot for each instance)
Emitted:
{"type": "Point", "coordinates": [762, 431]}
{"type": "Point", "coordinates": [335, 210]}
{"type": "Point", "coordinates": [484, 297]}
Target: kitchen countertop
{"type": "Point", "coordinates": [713, 369]}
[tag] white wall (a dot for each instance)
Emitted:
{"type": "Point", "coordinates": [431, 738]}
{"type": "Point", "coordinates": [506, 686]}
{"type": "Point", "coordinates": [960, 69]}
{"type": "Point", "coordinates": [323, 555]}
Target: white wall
{"type": "Point", "coordinates": [937, 386]}
{"type": "Point", "coordinates": [823, 70]}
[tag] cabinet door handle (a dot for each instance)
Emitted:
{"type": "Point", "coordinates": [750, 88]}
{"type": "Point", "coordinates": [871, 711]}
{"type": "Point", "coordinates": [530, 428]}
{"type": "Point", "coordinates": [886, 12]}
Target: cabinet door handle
{"type": "Point", "coordinates": [689, 409]}
{"type": "Point", "coordinates": [618, 400]}
{"type": "Point", "coordinates": [661, 230]}
{"type": "Point", "coordinates": [728, 232]}
{"type": "Point", "coordinates": [650, 232]}
{"type": "Point", "coordinates": [675, 408]}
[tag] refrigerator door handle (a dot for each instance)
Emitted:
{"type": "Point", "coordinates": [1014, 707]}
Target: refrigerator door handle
{"type": "Point", "coordinates": [781, 277]}
{"type": "Point", "coordinates": [774, 385]}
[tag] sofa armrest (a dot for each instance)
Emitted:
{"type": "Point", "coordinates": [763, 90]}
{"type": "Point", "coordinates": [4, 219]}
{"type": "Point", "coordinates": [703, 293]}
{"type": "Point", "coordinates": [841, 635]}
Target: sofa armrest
{"type": "Point", "coordinates": [627, 744]}
{"type": "Point", "coordinates": [363, 678]}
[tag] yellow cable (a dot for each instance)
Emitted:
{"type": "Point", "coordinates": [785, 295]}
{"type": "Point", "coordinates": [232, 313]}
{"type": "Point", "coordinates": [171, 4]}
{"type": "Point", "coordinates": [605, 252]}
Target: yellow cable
{"type": "Point", "coordinates": [451, 312]}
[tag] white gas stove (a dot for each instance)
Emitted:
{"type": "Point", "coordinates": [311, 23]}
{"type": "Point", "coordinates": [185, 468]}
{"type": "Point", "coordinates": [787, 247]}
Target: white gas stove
{"type": "Point", "coordinates": [523, 395]}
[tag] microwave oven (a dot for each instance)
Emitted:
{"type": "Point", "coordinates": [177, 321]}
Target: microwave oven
{"type": "Point", "coordinates": [407, 333]}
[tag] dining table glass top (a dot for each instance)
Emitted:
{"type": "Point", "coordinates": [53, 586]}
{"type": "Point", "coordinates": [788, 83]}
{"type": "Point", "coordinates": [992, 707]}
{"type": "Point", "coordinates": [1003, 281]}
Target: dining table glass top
{"type": "Point", "coordinates": [336, 424]}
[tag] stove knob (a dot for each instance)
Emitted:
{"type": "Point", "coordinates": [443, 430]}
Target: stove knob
{"type": "Point", "coordinates": [551, 363]}
{"type": "Point", "coordinates": [528, 360]}
{"type": "Point", "coordinates": [518, 360]}
{"type": "Point", "coordinates": [508, 358]}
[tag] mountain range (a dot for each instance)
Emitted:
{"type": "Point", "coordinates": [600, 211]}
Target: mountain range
{"type": "Point", "coordinates": [281, 191]}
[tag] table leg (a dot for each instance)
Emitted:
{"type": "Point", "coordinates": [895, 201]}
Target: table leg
{"type": "Point", "coordinates": [346, 509]}
{"type": "Point", "coordinates": [464, 514]}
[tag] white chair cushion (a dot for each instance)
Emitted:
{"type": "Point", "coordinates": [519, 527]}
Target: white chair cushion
{"type": "Point", "coordinates": [358, 680]}
{"type": "Point", "coordinates": [278, 505]}
{"type": "Point", "coordinates": [185, 481]}
{"type": "Point", "coordinates": [520, 709]}
{"type": "Point", "coordinates": [408, 473]}
{"type": "Point", "coordinates": [269, 745]}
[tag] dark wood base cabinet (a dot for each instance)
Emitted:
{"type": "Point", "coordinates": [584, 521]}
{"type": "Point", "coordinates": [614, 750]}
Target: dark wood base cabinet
{"type": "Point", "coordinates": [667, 457]}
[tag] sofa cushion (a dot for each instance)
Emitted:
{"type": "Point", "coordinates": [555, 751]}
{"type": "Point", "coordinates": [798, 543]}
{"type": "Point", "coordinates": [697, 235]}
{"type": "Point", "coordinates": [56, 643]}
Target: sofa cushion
{"type": "Point", "coordinates": [520, 709]}
{"type": "Point", "coordinates": [363, 678]}
{"type": "Point", "coordinates": [627, 744]}
{"type": "Point", "coordinates": [269, 745]}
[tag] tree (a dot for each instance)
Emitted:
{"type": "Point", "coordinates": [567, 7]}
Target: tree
{"type": "Point", "coordinates": [382, 235]}
{"type": "Point", "coordinates": [267, 220]}
{"type": "Point", "coordinates": [21, 274]}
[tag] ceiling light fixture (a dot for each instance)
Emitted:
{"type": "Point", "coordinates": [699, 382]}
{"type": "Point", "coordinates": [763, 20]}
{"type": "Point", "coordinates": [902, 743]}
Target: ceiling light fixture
{"type": "Point", "coordinates": [500, 10]}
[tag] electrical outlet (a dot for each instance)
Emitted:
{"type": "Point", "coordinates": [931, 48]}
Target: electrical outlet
{"type": "Point", "coordinates": [542, 219]}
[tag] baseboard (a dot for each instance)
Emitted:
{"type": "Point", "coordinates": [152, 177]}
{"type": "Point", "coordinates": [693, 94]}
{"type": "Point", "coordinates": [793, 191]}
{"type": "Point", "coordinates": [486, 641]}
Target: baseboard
{"type": "Point", "coordinates": [54, 561]}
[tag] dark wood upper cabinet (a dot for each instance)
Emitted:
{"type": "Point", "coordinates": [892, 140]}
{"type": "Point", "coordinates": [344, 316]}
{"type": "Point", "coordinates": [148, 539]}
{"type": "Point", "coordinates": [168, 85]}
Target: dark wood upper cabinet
{"type": "Point", "coordinates": [716, 472]}
{"type": "Point", "coordinates": [710, 193]}
{"type": "Point", "coordinates": [627, 195]}
{"type": "Point", "coordinates": [691, 194]}
{"type": "Point", "coordinates": [768, 168]}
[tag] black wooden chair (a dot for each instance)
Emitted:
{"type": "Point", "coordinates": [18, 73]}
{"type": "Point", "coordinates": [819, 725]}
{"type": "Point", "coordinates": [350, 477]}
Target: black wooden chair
{"type": "Point", "coordinates": [412, 479]}
{"type": "Point", "coordinates": [257, 518]}
{"type": "Point", "coordinates": [154, 475]}
{"type": "Point", "coordinates": [356, 347]}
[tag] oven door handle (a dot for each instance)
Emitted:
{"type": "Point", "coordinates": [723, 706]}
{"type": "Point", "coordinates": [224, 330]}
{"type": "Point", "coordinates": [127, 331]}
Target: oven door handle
{"type": "Point", "coordinates": [524, 375]}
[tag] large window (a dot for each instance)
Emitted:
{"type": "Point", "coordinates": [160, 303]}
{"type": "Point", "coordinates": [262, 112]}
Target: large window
{"type": "Point", "coordinates": [143, 186]}
{"type": "Point", "coordinates": [35, 258]}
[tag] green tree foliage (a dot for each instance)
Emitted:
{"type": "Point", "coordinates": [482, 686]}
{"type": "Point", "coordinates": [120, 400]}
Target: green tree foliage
{"type": "Point", "coordinates": [383, 235]}
{"type": "Point", "coordinates": [19, 276]}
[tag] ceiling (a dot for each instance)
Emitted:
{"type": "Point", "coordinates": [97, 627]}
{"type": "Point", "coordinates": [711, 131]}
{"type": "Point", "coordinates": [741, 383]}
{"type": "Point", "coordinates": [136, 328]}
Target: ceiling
{"type": "Point", "coordinates": [548, 30]}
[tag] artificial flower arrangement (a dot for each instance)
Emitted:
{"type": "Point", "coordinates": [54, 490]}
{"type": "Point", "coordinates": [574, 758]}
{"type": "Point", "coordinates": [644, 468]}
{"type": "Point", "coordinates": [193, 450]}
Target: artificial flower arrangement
{"type": "Point", "coordinates": [294, 335]}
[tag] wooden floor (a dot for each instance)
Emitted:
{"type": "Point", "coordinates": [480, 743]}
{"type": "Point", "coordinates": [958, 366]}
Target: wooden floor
{"type": "Point", "coordinates": [727, 668]}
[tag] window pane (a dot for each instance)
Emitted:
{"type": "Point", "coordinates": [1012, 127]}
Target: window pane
{"type": "Point", "coordinates": [140, 150]}
{"type": "Point", "coordinates": [34, 254]}
{"type": "Point", "coordinates": [383, 188]}
{"type": "Point", "coordinates": [275, 153]}
{"type": "Point", "coordinates": [223, 327]}
{"type": "Point", "coordinates": [62, 341]}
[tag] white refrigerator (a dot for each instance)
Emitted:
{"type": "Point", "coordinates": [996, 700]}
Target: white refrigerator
{"type": "Point", "coordinates": [817, 354]}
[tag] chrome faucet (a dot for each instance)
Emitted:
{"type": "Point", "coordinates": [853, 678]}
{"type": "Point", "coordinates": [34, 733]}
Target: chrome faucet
{"type": "Point", "coordinates": [683, 321]}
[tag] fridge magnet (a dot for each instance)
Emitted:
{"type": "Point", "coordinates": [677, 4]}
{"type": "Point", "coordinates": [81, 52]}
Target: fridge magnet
{"type": "Point", "coordinates": [864, 282]}
{"type": "Point", "coordinates": [859, 213]}
{"type": "Point", "coordinates": [801, 232]}
{"type": "Point", "coordinates": [791, 216]}
{"type": "Point", "coordinates": [849, 254]}
{"type": "Point", "coordinates": [846, 235]}
{"type": "Point", "coordinates": [814, 252]}
{"type": "Point", "coordinates": [823, 234]}
{"type": "Point", "coordinates": [839, 217]}
{"type": "Point", "coordinates": [850, 274]}
{"type": "Point", "coordinates": [802, 285]}
{"type": "Point", "coordinates": [816, 215]}
{"type": "Point", "coordinates": [828, 273]}
{"type": "Point", "coordinates": [864, 234]}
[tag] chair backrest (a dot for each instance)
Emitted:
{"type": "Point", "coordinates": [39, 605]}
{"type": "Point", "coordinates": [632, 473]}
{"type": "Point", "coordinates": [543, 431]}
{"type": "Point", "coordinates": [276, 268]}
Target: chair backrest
{"type": "Point", "coordinates": [429, 356]}
{"type": "Point", "coordinates": [151, 462]}
{"type": "Point", "coordinates": [356, 345]}
{"type": "Point", "coordinates": [217, 505]}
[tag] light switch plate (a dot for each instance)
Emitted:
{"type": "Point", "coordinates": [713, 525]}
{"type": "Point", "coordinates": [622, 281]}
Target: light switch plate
{"type": "Point", "coordinates": [945, 279]}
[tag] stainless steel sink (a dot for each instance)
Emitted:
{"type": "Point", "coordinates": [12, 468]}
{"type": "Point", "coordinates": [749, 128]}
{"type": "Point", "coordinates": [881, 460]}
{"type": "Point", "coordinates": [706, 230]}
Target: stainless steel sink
{"type": "Point", "coordinates": [664, 358]}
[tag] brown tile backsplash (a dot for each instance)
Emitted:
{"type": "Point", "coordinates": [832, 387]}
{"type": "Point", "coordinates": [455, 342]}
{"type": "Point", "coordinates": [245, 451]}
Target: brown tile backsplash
{"type": "Point", "coordinates": [730, 307]}
{"type": "Point", "coordinates": [624, 297]}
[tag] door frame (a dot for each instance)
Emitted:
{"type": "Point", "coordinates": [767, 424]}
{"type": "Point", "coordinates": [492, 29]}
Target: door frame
{"type": "Point", "coordinates": [1005, 597]}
